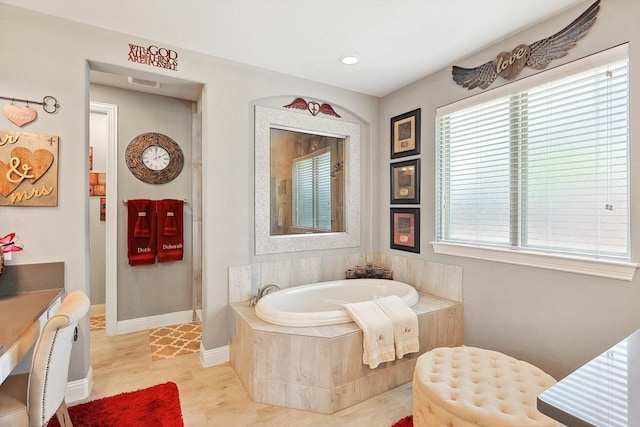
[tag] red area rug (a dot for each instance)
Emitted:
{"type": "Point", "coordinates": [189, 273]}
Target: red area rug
{"type": "Point", "coordinates": [404, 422]}
{"type": "Point", "coordinates": [157, 406]}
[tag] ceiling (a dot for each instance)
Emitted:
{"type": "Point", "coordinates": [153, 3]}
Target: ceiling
{"type": "Point", "coordinates": [398, 41]}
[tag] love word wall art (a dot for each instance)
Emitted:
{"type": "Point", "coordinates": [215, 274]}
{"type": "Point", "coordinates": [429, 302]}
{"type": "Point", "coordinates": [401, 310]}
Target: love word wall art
{"type": "Point", "coordinates": [28, 169]}
{"type": "Point", "coordinates": [536, 55]}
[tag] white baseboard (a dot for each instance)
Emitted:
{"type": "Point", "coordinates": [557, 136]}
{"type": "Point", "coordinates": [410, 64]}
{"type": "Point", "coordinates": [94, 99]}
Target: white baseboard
{"type": "Point", "coordinates": [151, 322]}
{"type": "Point", "coordinates": [79, 389]}
{"type": "Point", "coordinates": [215, 356]}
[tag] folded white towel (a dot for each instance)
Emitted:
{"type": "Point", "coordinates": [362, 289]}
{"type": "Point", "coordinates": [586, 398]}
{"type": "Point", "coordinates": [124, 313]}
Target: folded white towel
{"type": "Point", "coordinates": [405, 324]}
{"type": "Point", "coordinates": [377, 329]}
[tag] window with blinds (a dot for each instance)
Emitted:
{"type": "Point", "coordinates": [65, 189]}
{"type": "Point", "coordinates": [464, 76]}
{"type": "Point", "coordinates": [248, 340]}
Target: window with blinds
{"type": "Point", "coordinates": [541, 167]}
{"type": "Point", "coordinates": [312, 191]}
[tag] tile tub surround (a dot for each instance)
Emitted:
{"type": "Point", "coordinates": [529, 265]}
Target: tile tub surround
{"type": "Point", "coordinates": [320, 369]}
{"type": "Point", "coordinates": [443, 280]}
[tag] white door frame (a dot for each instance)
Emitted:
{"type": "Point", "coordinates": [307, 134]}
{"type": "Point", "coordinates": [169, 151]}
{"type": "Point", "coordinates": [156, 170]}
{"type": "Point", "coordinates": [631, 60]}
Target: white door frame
{"type": "Point", "coordinates": [111, 226]}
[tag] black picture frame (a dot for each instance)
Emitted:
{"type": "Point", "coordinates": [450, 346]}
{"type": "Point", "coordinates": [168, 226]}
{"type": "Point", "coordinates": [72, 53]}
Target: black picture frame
{"type": "Point", "coordinates": [404, 179]}
{"type": "Point", "coordinates": [405, 134]}
{"type": "Point", "coordinates": [405, 229]}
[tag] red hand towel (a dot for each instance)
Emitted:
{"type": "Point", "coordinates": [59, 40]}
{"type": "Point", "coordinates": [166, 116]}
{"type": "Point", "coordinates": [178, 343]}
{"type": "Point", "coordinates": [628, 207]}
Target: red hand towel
{"type": "Point", "coordinates": [141, 231]}
{"type": "Point", "coordinates": [170, 230]}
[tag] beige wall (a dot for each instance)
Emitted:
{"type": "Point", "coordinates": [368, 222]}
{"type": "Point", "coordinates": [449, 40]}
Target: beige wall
{"type": "Point", "coordinates": [555, 320]}
{"type": "Point", "coordinates": [49, 56]}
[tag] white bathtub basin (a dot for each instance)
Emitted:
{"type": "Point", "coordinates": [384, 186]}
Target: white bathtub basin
{"type": "Point", "coordinates": [321, 304]}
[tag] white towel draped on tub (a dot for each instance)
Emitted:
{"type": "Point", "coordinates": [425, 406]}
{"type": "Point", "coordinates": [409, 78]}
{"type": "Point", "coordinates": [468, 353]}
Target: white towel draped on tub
{"type": "Point", "coordinates": [405, 324]}
{"type": "Point", "coordinates": [377, 329]}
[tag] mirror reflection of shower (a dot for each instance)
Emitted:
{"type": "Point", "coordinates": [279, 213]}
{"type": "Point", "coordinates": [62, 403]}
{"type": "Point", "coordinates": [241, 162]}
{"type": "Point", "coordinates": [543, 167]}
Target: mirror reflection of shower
{"type": "Point", "coordinates": [307, 183]}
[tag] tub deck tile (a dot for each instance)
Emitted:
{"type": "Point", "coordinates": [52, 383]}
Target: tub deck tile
{"type": "Point", "coordinates": [320, 369]}
{"type": "Point", "coordinates": [427, 303]}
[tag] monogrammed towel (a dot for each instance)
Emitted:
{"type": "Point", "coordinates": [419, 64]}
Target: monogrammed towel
{"type": "Point", "coordinates": [141, 231]}
{"type": "Point", "coordinates": [405, 324]}
{"type": "Point", "coordinates": [377, 329]}
{"type": "Point", "coordinates": [170, 230]}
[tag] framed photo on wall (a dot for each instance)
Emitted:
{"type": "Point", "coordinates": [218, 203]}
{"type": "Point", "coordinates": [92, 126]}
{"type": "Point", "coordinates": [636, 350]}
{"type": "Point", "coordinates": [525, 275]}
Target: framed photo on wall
{"type": "Point", "coordinates": [405, 229]}
{"type": "Point", "coordinates": [405, 182]}
{"type": "Point", "coordinates": [405, 134]}
{"type": "Point", "coordinates": [97, 184]}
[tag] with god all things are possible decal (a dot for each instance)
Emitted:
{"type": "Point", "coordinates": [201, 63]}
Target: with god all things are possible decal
{"type": "Point", "coordinates": [160, 57]}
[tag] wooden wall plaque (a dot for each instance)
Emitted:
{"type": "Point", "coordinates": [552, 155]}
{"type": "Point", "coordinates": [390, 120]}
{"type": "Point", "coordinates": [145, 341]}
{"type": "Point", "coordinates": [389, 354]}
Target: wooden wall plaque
{"type": "Point", "coordinates": [28, 169]}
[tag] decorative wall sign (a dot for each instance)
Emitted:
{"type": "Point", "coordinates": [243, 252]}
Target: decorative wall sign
{"type": "Point", "coordinates": [313, 107]}
{"type": "Point", "coordinates": [405, 182]}
{"type": "Point", "coordinates": [537, 55]}
{"type": "Point", "coordinates": [405, 134]}
{"type": "Point", "coordinates": [154, 158]}
{"type": "Point", "coordinates": [19, 116]}
{"type": "Point", "coordinates": [28, 169]}
{"type": "Point", "coordinates": [160, 57]}
{"type": "Point", "coordinates": [405, 229]}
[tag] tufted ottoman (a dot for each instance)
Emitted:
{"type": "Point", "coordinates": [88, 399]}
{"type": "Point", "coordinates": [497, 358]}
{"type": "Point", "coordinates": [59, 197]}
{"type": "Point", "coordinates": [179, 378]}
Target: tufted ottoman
{"type": "Point", "coordinates": [470, 387]}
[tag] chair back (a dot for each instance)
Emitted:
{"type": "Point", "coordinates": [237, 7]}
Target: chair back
{"type": "Point", "coordinates": [51, 357]}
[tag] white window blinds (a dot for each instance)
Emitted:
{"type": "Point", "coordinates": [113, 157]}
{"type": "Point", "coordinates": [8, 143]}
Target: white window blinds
{"type": "Point", "coordinates": [543, 168]}
{"type": "Point", "coordinates": [312, 191]}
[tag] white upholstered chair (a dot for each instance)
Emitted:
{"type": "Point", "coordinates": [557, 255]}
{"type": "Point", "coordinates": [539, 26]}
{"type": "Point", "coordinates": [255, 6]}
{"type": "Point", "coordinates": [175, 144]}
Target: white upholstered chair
{"type": "Point", "coordinates": [31, 399]}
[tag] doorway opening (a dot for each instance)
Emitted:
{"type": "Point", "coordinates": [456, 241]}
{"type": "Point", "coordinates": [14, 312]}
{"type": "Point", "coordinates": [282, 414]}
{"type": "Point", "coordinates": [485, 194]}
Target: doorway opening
{"type": "Point", "coordinates": [136, 298]}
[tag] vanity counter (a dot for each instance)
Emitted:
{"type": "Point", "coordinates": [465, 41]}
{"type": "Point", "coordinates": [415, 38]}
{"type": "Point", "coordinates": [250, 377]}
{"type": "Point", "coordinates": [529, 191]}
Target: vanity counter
{"type": "Point", "coordinates": [604, 392]}
{"type": "Point", "coordinates": [28, 295]}
{"type": "Point", "coordinates": [19, 312]}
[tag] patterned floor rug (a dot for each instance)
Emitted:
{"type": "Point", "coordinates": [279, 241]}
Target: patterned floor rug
{"type": "Point", "coordinates": [165, 342]}
{"type": "Point", "coordinates": [176, 340]}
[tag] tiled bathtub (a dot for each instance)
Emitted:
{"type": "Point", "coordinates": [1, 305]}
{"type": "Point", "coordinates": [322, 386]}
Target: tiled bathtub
{"type": "Point", "coordinates": [320, 369]}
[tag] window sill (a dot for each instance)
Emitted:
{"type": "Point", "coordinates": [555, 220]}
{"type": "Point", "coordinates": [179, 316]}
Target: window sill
{"type": "Point", "coordinates": [592, 267]}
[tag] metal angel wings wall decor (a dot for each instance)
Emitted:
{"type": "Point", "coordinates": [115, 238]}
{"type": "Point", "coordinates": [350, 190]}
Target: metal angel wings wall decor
{"type": "Point", "coordinates": [313, 107]}
{"type": "Point", "coordinates": [536, 55]}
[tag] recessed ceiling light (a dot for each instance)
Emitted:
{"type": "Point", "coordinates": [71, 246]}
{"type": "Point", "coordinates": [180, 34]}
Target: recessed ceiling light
{"type": "Point", "coordinates": [349, 59]}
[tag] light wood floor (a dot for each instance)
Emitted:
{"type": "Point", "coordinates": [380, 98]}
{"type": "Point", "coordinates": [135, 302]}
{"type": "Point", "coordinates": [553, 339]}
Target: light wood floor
{"type": "Point", "coordinates": [214, 396]}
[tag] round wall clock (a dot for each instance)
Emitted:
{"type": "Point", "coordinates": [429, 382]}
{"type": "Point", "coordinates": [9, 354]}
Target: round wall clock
{"type": "Point", "coordinates": [154, 158]}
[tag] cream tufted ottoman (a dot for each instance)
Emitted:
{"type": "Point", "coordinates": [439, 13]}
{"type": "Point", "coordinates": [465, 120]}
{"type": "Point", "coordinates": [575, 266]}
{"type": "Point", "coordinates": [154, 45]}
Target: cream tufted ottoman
{"type": "Point", "coordinates": [470, 387]}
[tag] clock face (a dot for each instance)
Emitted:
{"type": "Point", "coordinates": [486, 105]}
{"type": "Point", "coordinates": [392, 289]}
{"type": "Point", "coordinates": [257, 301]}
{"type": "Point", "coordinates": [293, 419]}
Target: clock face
{"type": "Point", "coordinates": [155, 157]}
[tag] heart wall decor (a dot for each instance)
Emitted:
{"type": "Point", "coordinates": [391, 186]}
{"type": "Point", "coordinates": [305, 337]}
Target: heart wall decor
{"type": "Point", "coordinates": [28, 169]}
{"type": "Point", "coordinates": [313, 107]}
{"type": "Point", "coordinates": [19, 116]}
{"type": "Point", "coordinates": [38, 161]}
